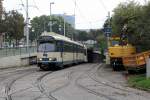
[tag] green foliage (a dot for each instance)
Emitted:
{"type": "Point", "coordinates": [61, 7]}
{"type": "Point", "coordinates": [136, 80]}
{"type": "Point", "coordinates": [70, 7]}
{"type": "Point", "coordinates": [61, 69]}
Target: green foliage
{"type": "Point", "coordinates": [2, 24]}
{"type": "Point", "coordinates": [98, 36]}
{"type": "Point", "coordinates": [13, 25]}
{"type": "Point", "coordinates": [81, 35]}
{"type": "Point", "coordinates": [137, 19]}
{"type": "Point", "coordinates": [125, 14]}
{"type": "Point", "coordinates": [140, 82]}
{"type": "Point", "coordinates": [41, 24]}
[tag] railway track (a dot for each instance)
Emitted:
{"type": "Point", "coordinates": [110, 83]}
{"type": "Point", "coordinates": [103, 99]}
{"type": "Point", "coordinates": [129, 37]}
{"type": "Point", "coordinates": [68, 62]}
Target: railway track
{"type": "Point", "coordinates": [41, 88]}
{"type": "Point", "coordinates": [19, 74]}
{"type": "Point", "coordinates": [94, 75]}
{"type": "Point", "coordinates": [12, 81]}
{"type": "Point", "coordinates": [77, 83]}
{"type": "Point", "coordinates": [87, 80]}
{"type": "Point", "coordinates": [94, 78]}
{"type": "Point", "coordinates": [5, 75]}
{"type": "Point", "coordinates": [123, 92]}
{"type": "Point", "coordinates": [49, 94]}
{"type": "Point", "coordinates": [38, 82]}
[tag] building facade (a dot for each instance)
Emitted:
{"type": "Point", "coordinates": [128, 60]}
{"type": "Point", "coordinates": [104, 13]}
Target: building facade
{"type": "Point", "coordinates": [68, 18]}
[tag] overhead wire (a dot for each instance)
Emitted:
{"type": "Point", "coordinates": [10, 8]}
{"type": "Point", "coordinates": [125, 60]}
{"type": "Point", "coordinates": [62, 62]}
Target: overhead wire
{"type": "Point", "coordinates": [22, 4]}
{"type": "Point", "coordinates": [104, 6]}
{"type": "Point", "coordinates": [82, 15]}
{"type": "Point", "coordinates": [35, 6]}
{"type": "Point", "coordinates": [95, 21]}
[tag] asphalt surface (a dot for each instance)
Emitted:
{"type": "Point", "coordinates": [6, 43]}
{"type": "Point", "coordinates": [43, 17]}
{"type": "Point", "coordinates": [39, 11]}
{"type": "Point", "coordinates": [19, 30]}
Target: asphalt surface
{"type": "Point", "coordinates": [80, 82]}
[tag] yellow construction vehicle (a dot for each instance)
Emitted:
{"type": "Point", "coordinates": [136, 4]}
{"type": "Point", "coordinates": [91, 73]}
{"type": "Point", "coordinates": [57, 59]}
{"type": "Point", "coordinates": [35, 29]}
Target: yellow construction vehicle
{"type": "Point", "coordinates": [120, 48]}
{"type": "Point", "coordinates": [123, 55]}
{"type": "Point", "coordinates": [136, 62]}
{"type": "Point", "coordinates": [117, 51]}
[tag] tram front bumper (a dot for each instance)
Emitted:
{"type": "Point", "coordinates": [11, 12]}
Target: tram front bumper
{"type": "Point", "coordinates": [49, 63]}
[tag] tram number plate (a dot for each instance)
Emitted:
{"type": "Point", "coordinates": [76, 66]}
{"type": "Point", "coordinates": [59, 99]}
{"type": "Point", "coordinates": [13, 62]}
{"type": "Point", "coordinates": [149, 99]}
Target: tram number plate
{"type": "Point", "coordinates": [45, 63]}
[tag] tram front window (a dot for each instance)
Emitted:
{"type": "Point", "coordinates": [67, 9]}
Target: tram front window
{"type": "Point", "coordinates": [46, 47]}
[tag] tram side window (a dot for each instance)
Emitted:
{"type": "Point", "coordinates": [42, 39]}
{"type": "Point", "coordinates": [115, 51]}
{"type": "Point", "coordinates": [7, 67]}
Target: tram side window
{"type": "Point", "coordinates": [68, 47]}
{"type": "Point", "coordinates": [77, 49]}
{"type": "Point", "coordinates": [84, 51]}
{"type": "Point", "coordinates": [59, 46]}
{"type": "Point", "coordinates": [71, 47]}
{"type": "Point", "coordinates": [80, 49]}
{"type": "Point", "coordinates": [65, 47]}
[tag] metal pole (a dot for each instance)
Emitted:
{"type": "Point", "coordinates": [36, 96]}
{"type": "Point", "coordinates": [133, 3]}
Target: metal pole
{"type": "Point", "coordinates": [50, 19]}
{"type": "Point", "coordinates": [27, 27]}
{"type": "Point", "coordinates": [108, 38]}
{"type": "Point", "coordinates": [108, 42]}
{"type": "Point", "coordinates": [64, 26]}
{"type": "Point", "coordinates": [145, 2]}
{"type": "Point", "coordinates": [51, 16]}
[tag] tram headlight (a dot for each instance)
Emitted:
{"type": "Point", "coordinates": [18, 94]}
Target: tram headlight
{"type": "Point", "coordinates": [40, 59]}
{"type": "Point", "coordinates": [52, 59]}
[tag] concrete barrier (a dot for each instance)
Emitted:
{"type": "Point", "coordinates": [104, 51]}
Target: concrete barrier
{"type": "Point", "coordinates": [148, 68]}
{"type": "Point", "coordinates": [17, 61]}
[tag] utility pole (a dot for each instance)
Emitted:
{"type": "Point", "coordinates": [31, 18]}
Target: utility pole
{"type": "Point", "coordinates": [108, 39]}
{"type": "Point", "coordinates": [64, 25]}
{"type": "Point", "coordinates": [27, 25]}
{"type": "Point", "coordinates": [109, 26]}
{"type": "Point", "coordinates": [145, 1]}
{"type": "Point", "coordinates": [51, 16]}
{"type": "Point", "coordinates": [75, 4]}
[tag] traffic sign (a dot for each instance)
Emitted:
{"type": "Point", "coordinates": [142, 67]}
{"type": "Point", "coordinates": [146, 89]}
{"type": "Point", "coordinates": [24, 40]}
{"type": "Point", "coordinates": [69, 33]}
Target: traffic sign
{"type": "Point", "coordinates": [107, 31]}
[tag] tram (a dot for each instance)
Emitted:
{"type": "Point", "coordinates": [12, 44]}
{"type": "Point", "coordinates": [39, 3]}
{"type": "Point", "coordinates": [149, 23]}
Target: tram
{"type": "Point", "coordinates": [55, 51]}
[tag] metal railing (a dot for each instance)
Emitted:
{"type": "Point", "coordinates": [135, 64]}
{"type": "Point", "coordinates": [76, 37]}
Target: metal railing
{"type": "Point", "coordinates": [6, 52]}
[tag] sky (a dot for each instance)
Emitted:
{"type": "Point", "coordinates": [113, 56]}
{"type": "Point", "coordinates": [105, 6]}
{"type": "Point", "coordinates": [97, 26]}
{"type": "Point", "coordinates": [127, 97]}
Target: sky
{"type": "Point", "coordinates": [89, 14]}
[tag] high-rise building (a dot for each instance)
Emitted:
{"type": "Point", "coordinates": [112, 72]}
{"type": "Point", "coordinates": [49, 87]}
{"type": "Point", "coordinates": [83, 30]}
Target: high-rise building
{"type": "Point", "coordinates": [1, 8]}
{"type": "Point", "coordinates": [68, 18]}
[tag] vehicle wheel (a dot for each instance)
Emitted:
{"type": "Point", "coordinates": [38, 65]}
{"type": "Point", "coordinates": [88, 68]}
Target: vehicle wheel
{"type": "Point", "coordinates": [114, 66]}
{"type": "Point", "coordinates": [121, 67]}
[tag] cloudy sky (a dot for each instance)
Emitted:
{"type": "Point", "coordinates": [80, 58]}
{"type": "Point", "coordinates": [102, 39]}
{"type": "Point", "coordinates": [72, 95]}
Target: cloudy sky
{"type": "Point", "coordinates": [90, 14]}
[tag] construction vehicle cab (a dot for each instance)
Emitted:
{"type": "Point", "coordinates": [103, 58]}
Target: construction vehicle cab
{"type": "Point", "coordinates": [118, 50]}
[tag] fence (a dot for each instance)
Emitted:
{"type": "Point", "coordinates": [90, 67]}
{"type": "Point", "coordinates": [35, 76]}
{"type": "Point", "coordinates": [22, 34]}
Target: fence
{"type": "Point", "coordinates": [5, 52]}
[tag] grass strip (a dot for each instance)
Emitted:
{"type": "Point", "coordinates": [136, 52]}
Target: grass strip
{"type": "Point", "coordinates": [139, 82]}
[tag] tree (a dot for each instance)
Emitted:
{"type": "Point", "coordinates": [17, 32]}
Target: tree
{"type": "Point", "coordinates": [41, 24]}
{"type": "Point", "coordinates": [81, 35]}
{"type": "Point", "coordinates": [143, 39]}
{"type": "Point", "coordinates": [134, 17]}
{"type": "Point", "coordinates": [12, 25]}
{"type": "Point", "coordinates": [98, 36]}
{"type": "Point", "coordinates": [2, 24]}
{"type": "Point", "coordinates": [14, 22]}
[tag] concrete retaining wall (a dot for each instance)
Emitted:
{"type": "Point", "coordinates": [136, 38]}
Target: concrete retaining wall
{"type": "Point", "coordinates": [16, 61]}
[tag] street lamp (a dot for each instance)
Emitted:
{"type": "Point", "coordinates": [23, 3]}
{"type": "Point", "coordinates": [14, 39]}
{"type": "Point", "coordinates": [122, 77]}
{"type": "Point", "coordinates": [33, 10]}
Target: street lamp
{"type": "Point", "coordinates": [64, 25]}
{"type": "Point", "coordinates": [50, 16]}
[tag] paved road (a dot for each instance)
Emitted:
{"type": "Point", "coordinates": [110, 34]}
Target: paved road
{"type": "Point", "coordinates": [81, 82]}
